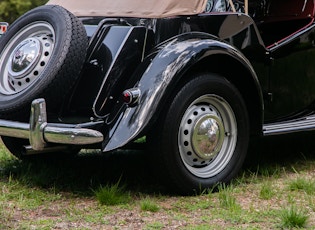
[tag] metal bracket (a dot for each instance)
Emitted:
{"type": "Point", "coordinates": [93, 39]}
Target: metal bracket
{"type": "Point", "coordinates": [38, 122]}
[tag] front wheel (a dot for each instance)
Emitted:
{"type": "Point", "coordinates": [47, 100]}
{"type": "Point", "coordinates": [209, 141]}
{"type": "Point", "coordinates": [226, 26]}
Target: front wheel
{"type": "Point", "coordinates": [203, 137]}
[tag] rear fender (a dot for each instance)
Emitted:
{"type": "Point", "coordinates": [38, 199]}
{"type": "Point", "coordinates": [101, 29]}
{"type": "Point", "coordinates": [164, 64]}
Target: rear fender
{"type": "Point", "coordinates": [165, 68]}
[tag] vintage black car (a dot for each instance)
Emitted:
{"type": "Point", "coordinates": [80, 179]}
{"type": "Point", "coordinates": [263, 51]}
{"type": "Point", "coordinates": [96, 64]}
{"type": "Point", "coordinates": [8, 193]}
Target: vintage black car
{"type": "Point", "coordinates": [197, 78]}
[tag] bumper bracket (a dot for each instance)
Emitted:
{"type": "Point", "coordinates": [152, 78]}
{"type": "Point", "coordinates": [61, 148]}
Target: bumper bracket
{"type": "Point", "coordinates": [40, 132]}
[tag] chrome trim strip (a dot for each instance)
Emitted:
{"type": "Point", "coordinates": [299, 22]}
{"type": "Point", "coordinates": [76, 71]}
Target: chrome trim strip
{"type": "Point", "coordinates": [39, 132]}
{"type": "Point", "coordinates": [303, 124]}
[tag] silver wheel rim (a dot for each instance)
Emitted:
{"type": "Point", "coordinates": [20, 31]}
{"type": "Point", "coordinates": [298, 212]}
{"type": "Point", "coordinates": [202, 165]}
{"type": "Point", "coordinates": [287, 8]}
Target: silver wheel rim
{"type": "Point", "coordinates": [207, 136]}
{"type": "Point", "coordinates": [25, 57]}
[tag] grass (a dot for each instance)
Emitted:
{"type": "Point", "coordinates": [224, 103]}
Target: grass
{"type": "Point", "coordinates": [112, 194]}
{"type": "Point", "coordinates": [148, 205]}
{"type": "Point", "coordinates": [116, 191]}
{"type": "Point", "coordinates": [227, 198]}
{"type": "Point", "coordinates": [266, 191]}
{"type": "Point", "coordinates": [302, 184]}
{"type": "Point", "coordinates": [293, 218]}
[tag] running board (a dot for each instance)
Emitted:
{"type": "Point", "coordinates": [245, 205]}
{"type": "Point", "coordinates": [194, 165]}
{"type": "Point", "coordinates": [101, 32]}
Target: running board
{"type": "Point", "coordinates": [302, 124]}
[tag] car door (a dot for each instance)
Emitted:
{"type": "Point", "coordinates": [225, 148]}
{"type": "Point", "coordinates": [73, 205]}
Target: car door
{"type": "Point", "coordinates": [289, 35]}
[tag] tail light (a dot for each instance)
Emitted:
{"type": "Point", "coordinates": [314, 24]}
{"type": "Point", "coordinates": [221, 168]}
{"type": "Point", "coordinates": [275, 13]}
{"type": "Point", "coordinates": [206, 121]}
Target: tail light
{"type": "Point", "coordinates": [3, 27]}
{"type": "Point", "coordinates": [131, 96]}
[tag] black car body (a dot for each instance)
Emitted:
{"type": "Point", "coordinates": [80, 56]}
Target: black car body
{"type": "Point", "coordinates": [197, 78]}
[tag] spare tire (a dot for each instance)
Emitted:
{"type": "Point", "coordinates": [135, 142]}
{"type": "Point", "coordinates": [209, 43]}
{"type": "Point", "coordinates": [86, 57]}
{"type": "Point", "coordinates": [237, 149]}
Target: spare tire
{"type": "Point", "coordinates": [41, 55]}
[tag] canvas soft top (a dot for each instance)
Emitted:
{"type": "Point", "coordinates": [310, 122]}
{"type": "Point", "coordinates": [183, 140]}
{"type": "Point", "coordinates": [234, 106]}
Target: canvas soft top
{"type": "Point", "coordinates": [132, 8]}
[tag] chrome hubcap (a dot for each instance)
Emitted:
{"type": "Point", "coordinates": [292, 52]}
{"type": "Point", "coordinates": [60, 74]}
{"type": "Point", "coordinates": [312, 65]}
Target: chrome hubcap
{"type": "Point", "coordinates": [207, 136]}
{"type": "Point", "coordinates": [25, 57]}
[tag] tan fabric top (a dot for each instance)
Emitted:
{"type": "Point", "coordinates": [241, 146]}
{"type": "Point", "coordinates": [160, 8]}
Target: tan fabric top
{"type": "Point", "coordinates": [132, 8]}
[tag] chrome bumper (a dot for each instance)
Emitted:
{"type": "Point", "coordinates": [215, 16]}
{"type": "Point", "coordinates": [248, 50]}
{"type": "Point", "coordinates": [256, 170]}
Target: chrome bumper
{"type": "Point", "coordinates": [40, 133]}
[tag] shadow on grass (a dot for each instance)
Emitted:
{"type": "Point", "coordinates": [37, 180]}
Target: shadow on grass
{"type": "Point", "coordinates": [283, 150]}
{"type": "Point", "coordinates": [85, 172]}
{"type": "Point", "coordinates": [88, 171]}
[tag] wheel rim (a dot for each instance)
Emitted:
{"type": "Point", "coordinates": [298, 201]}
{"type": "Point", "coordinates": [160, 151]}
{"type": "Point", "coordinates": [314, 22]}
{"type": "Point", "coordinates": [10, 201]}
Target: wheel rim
{"type": "Point", "coordinates": [207, 136]}
{"type": "Point", "coordinates": [25, 57]}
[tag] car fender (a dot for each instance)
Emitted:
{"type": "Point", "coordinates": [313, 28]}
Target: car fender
{"type": "Point", "coordinates": [165, 67]}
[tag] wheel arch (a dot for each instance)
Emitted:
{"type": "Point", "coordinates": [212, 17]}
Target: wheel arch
{"type": "Point", "coordinates": [169, 68]}
{"type": "Point", "coordinates": [242, 77]}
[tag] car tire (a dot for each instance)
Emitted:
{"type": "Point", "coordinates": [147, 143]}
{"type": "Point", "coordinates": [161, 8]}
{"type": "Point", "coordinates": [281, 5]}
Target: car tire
{"type": "Point", "coordinates": [203, 136]}
{"type": "Point", "coordinates": [41, 55]}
